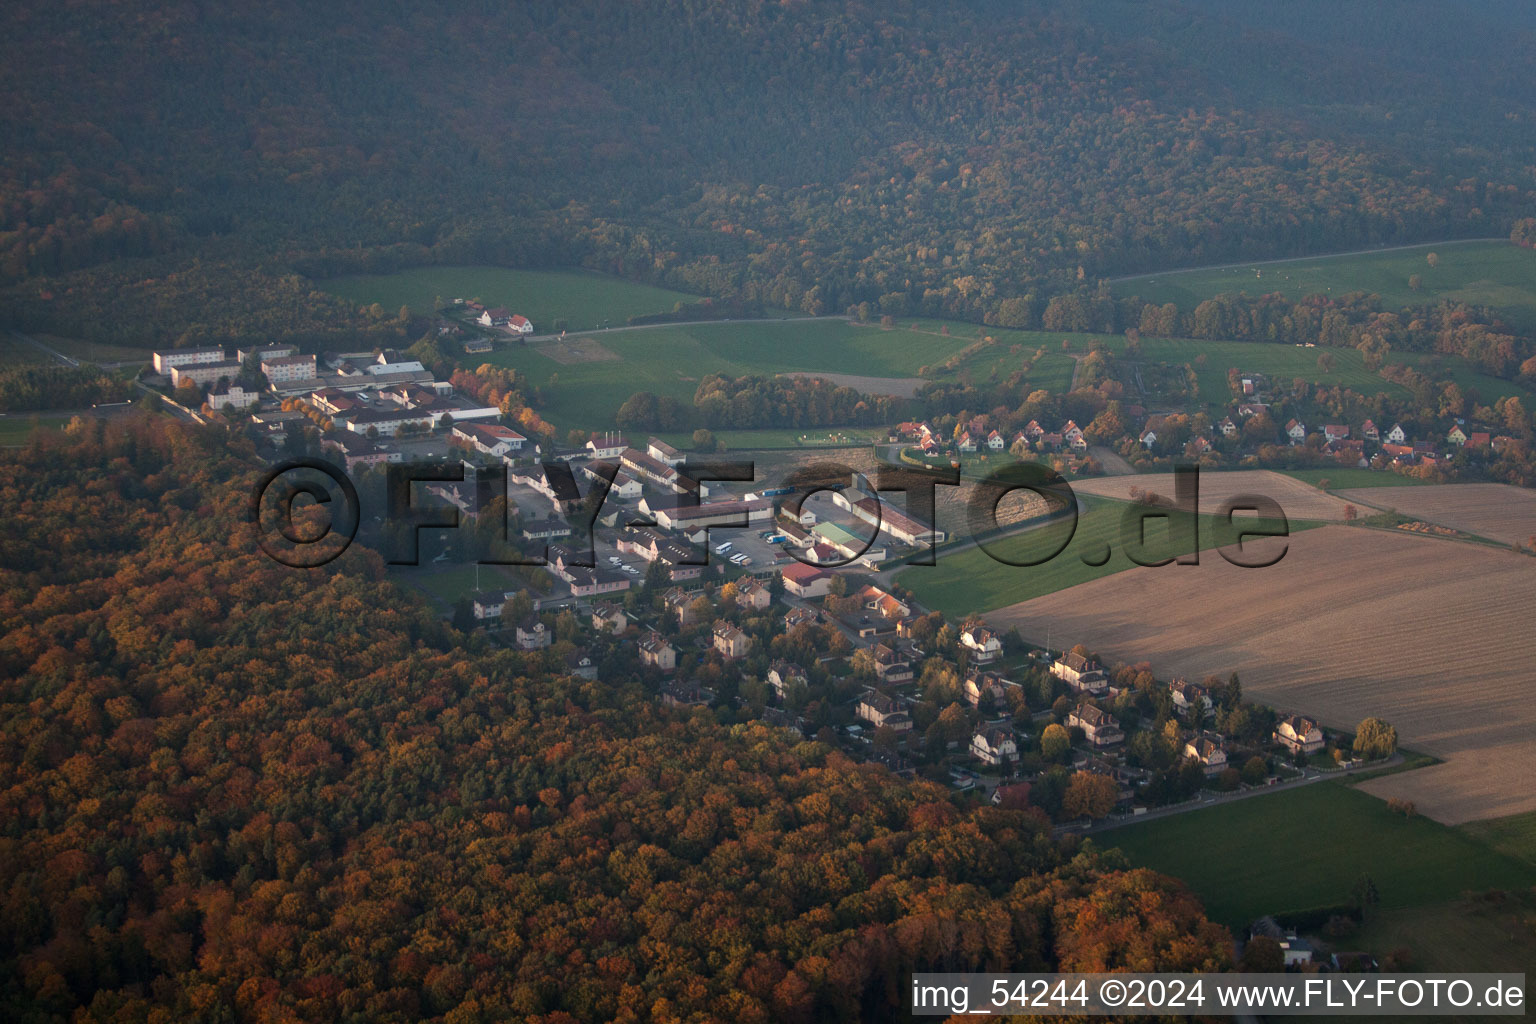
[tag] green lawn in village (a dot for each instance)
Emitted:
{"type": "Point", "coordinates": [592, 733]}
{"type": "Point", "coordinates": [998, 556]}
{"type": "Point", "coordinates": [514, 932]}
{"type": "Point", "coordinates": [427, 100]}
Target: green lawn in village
{"type": "Point", "coordinates": [581, 297]}
{"type": "Point", "coordinates": [1497, 274]}
{"type": "Point", "coordinates": [1305, 848]}
{"type": "Point", "coordinates": [671, 360]}
{"type": "Point", "coordinates": [972, 581]}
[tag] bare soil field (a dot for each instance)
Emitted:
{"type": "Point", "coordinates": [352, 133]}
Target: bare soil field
{"type": "Point", "coordinates": [1431, 635]}
{"type": "Point", "coordinates": [1495, 511]}
{"type": "Point", "coordinates": [1298, 500]}
{"type": "Point", "coordinates": [897, 387]}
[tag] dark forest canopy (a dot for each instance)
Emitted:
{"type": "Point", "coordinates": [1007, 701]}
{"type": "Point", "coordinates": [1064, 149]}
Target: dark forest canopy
{"type": "Point", "coordinates": [232, 790]}
{"type": "Point", "coordinates": [939, 158]}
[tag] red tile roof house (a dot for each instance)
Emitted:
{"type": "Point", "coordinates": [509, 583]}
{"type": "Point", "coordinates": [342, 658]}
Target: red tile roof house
{"type": "Point", "coordinates": [805, 581]}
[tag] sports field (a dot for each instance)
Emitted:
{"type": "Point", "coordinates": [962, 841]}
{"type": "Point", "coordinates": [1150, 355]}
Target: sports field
{"type": "Point", "coordinates": [671, 360]}
{"type": "Point", "coordinates": [582, 298]}
{"type": "Point", "coordinates": [1495, 273]}
{"type": "Point", "coordinates": [1305, 848]}
{"type": "Point", "coordinates": [1431, 635]}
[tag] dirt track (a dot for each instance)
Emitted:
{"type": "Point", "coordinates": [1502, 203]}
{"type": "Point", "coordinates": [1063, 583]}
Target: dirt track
{"type": "Point", "coordinates": [1431, 635]}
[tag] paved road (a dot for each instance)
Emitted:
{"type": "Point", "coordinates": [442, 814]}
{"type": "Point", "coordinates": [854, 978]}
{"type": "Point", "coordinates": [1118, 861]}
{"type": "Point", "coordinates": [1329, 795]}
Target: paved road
{"type": "Point", "coordinates": [1302, 259]}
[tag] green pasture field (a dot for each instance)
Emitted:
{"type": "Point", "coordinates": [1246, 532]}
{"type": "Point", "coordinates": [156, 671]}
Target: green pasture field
{"type": "Point", "coordinates": [1305, 848]}
{"type": "Point", "coordinates": [1490, 273]}
{"type": "Point", "coordinates": [671, 360]}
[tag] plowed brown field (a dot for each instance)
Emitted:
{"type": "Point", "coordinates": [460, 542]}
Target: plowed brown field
{"type": "Point", "coordinates": [1496, 511]}
{"type": "Point", "coordinates": [1434, 636]}
{"type": "Point", "coordinates": [1297, 499]}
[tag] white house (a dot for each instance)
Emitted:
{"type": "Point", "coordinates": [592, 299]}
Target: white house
{"type": "Point", "coordinates": [1210, 750]}
{"type": "Point", "coordinates": [995, 441]}
{"type": "Point", "coordinates": [1299, 735]}
{"type": "Point", "coordinates": [1397, 435]}
{"type": "Point", "coordinates": [1296, 431]}
{"type": "Point", "coordinates": [533, 635]}
{"type": "Point", "coordinates": [994, 746]}
{"type": "Point", "coordinates": [982, 643]}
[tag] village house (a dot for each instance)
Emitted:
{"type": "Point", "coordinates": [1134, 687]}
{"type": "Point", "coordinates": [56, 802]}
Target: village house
{"type": "Point", "coordinates": [1081, 673]}
{"type": "Point", "coordinates": [796, 617]}
{"type": "Point", "coordinates": [995, 441]}
{"type": "Point", "coordinates": [1335, 432]}
{"type": "Point", "coordinates": [752, 594]}
{"type": "Point", "coordinates": [882, 711]}
{"type": "Point", "coordinates": [730, 641]}
{"type": "Point", "coordinates": [1397, 435]}
{"type": "Point", "coordinates": [656, 652]}
{"type": "Point", "coordinates": [1209, 749]}
{"type": "Point", "coordinates": [488, 604]}
{"type": "Point", "coordinates": [784, 675]}
{"type": "Point", "coordinates": [608, 617]}
{"type": "Point", "coordinates": [1100, 728]}
{"type": "Point", "coordinates": [887, 606]}
{"type": "Point", "coordinates": [580, 664]}
{"type": "Point", "coordinates": [1369, 432]}
{"type": "Point", "coordinates": [805, 581]}
{"type": "Point", "coordinates": [357, 451]}
{"type": "Point", "coordinates": [1296, 431]}
{"type": "Point", "coordinates": [1227, 427]}
{"type": "Point", "coordinates": [689, 693]}
{"type": "Point", "coordinates": [1186, 695]}
{"type": "Point", "coordinates": [981, 686]}
{"type": "Point", "coordinates": [533, 635]}
{"type": "Point", "coordinates": [1299, 735]}
{"type": "Point", "coordinates": [994, 746]}
{"type": "Point", "coordinates": [679, 602]}
{"type": "Point", "coordinates": [966, 443]}
{"type": "Point", "coordinates": [1457, 436]}
{"type": "Point", "coordinates": [982, 644]}
{"type": "Point", "coordinates": [890, 665]}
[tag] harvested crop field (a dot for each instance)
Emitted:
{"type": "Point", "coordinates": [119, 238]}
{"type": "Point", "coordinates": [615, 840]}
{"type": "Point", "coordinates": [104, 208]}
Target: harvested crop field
{"type": "Point", "coordinates": [1431, 635]}
{"type": "Point", "coordinates": [1496, 511]}
{"type": "Point", "coordinates": [1298, 500]}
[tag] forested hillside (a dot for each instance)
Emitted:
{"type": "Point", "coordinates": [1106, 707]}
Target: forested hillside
{"type": "Point", "coordinates": [949, 159]}
{"type": "Point", "coordinates": [234, 790]}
